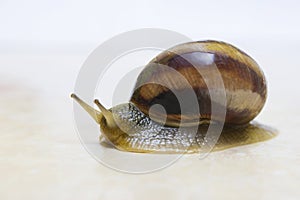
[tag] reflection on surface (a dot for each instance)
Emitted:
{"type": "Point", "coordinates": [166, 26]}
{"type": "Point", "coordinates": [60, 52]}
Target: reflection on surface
{"type": "Point", "coordinates": [250, 134]}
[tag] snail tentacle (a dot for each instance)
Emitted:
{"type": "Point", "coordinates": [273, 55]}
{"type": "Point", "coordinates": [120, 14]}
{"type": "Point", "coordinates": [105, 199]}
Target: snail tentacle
{"type": "Point", "coordinates": [106, 114]}
{"type": "Point", "coordinates": [95, 114]}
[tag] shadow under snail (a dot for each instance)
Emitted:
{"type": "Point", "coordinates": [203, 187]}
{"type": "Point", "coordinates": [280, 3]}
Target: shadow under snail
{"type": "Point", "coordinates": [168, 131]}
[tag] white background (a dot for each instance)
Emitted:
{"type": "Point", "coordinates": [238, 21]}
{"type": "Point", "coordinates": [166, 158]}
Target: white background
{"type": "Point", "coordinates": [42, 47]}
{"type": "Point", "coordinates": [94, 21]}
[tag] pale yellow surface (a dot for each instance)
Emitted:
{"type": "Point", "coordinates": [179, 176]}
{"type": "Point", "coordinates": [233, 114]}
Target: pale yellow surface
{"type": "Point", "coordinates": [41, 156]}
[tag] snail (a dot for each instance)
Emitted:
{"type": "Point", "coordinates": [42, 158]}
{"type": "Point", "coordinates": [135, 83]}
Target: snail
{"type": "Point", "coordinates": [142, 126]}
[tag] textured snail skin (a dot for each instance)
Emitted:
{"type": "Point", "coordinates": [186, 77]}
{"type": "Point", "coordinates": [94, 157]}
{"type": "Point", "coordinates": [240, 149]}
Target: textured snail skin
{"type": "Point", "coordinates": [244, 83]}
{"type": "Point", "coordinates": [136, 132]}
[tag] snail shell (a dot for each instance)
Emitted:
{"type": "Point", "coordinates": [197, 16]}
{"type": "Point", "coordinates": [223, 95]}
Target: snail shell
{"type": "Point", "coordinates": [244, 83]}
{"type": "Point", "coordinates": [128, 126]}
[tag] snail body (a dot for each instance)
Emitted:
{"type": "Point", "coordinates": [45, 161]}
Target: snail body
{"type": "Point", "coordinates": [142, 126]}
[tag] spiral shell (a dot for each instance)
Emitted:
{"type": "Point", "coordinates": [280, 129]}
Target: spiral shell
{"type": "Point", "coordinates": [244, 83]}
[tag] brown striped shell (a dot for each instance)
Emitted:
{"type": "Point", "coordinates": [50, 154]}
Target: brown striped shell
{"type": "Point", "coordinates": [244, 83]}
